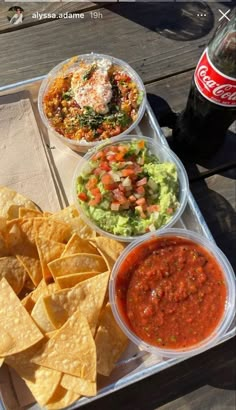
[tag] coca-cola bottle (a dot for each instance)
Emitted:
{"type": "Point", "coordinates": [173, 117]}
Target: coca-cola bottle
{"type": "Point", "coordinates": [211, 108]}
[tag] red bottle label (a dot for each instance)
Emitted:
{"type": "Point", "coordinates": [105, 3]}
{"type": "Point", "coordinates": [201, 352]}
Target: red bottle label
{"type": "Point", "coordinates": [214, 85]}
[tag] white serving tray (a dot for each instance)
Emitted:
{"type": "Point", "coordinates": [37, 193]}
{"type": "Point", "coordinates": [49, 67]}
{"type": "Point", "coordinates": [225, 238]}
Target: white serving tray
{"type": "Point", "coordinates": [134, 365]}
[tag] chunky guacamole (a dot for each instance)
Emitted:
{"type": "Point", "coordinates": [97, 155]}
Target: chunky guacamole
{"type": "Point", "coordinates": [125, 190]}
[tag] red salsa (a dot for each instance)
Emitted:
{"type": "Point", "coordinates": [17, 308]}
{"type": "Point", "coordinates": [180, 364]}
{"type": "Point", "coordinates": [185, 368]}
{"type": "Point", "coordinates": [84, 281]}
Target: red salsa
{"type": "Point", "coordinates": [171, 292]}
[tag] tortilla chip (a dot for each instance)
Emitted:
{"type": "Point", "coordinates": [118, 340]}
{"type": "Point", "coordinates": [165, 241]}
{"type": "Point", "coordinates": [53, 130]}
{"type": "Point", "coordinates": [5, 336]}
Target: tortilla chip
{"type": "Point", "coordinates": [81, 262]}
{"type": "Point", "coordinates": [79, 227]}
{"type": "Point", "coordinates": [47, 214]}
{"type": "Point", "coordinates": [11, 201]}
{"type": "Point", "coordinates": [41, 381]}
{"type": "Point", "coordinates": [52, 229]}
{"type": "Point", "coordinates": [28, 303]}
{"type": "Point", "coordinates": [20, 240]}
{"type": "Point", "coordinates": [41, 290]}
{"type": "Point", "coordinates": [48, 250]}
{"type": "Point", "coordinates": [52, 288]}
{"type": "Point", "coordinates": [109, 249]}
{"type": "Point", "coordinates": [78, 385]}
{"type": "Point", "coordinates": [32, 266]}
{"type": "Point", "coordinates": [87, 296]}
{"type": "Point", "coordinates": [69, 281]}
{"type": "Point", "coordinates": [79, 245]}
{"type": "Point", "coordinates": [29, 284]}
{"type": "Point", "coordinates": [1, 361]}
{"type": "Point", "coordinates": [31, 228]}
{"type": "Point", "coordinates": [66, 214]}
{"type": "Point", "coordinates": [3, 223]}
{"type": "Point", "coordinates": [72, 349]}
{"type": "Point", "coordinates": [40, 316]}
{"type": "Point", "coordinates": [28, 213]}
{"type": "Point", "coordinates": [14, 272]}
{"type": "Point", "coordinates": [62, 398]}
{"type": "Point", "coordinates": [110, 342]}
{"type": "Point", "coordinates": [3, 246]}
{"type": "Point", "coordinates": [18, 331]}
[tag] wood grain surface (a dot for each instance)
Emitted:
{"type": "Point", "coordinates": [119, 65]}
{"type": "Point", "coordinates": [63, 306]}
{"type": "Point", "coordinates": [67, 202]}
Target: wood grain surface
{"type": "Point", "coordinates": [204, 382]}
{"type": "Point", "coordinates": [139, 38]}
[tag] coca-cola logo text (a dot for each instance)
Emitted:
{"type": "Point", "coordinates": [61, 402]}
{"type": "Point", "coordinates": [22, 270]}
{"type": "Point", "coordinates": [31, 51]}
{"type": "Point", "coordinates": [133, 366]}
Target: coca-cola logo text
{"type": "Point", "coordinates": [219, 90]}
{"type": "Point", "coordinates": [214, 85]}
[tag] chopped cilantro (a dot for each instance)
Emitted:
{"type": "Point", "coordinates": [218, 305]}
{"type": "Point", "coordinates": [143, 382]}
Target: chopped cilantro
{"type": "Point", "coordinates": [67, 95]}
{"type": "Point", "coordinates": [90, 118]}
{"type": "Point", "coordinates": [89, 73]}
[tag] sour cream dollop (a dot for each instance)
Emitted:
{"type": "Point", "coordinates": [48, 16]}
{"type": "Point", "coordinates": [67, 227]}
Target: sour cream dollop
{"type": "Point", "coordinates": [96, 91]}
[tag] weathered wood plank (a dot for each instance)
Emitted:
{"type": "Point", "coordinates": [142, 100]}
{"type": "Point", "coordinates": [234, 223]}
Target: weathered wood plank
{"type": "Point", "coordinates": [216, 198]}
{"type": "Point", "coordinates": [35, 12]}
{"type": "Point", "coordinates": [183, 383]}
{"type": "Point", "coordinates": [126, 31]}
{"type": "Point", "coordinates": [169, 96]}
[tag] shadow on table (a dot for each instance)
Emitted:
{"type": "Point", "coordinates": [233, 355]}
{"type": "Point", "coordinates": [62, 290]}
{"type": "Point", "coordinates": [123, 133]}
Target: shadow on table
{"type": "Point", "coordinates": [178, 21]}
{"type": "Point", "coordinates": [220, 217]}
{"type": "Point", "coordinates": [226, 154]}
{"type": "Point", "coordinates": [213, 368]}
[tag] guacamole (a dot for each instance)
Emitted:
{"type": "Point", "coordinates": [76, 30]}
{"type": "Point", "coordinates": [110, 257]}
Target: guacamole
{"type": "Point", "coordinates": [125, 190]}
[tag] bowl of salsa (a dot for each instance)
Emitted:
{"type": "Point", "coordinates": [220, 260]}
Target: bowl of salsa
{"type": "Point", "coordinates": [173, 293]}
{"type": "Point", "coordinates": [90, 98]}
{"type": "Point", "coordinates": [126, 188]}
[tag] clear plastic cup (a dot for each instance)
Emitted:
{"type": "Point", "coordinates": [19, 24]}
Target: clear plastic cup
{"type": "Point", "coordinates": [66, 67]}
{"type": "Point", "coordinates": [159, 150]}
{"type": "Point", "coordinates": [229, 311]}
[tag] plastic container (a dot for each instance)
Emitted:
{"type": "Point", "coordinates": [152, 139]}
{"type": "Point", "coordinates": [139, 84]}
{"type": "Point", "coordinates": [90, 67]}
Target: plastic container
{"type": "Point", "coordinates": [163, 153]}
{"type": "Point", "coordinates": [83, 146]}
{"type": "Point", "coordinates": [229, 311]}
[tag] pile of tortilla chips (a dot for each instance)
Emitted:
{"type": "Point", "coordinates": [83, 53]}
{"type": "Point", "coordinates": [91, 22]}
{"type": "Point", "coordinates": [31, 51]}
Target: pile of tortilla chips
{"type": "Point", "coordinates": [57, 328]}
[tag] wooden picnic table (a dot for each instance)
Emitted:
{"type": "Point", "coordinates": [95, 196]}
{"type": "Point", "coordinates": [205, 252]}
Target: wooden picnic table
{"type": "Point", "coordinates": [163, 42]}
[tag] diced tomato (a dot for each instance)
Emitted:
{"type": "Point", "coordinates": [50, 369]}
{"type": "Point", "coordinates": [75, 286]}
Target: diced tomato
{"type": "Point", "coordinates": [141, 144]}
{"type": "Point", "coordinates": [107, 179]}
{"type": "Point", "coordinates": [137, 168]}
{"type": "Point", "coordinates": [115, 206]}
{"type": "Point", "coordinates": [92, 183]}
{"type": "Point", "coordinates": [140, 190]}
{"type": "Point", "coordinates": [153, 208]}
{"type": "Point", "coordinates": [132, 198]}
{"type": "Point", "coordinates": [95, 201]}
{"type": "Point", "coordinates": [122, 148]}
{"type": "Point", "coordinates": [170, 211]}
{"type": "Point", "coordinates": [141, 201]}
{"type": "Point", "coordinates": [105, 166]}
{"type": "Point", "coordinates": [119, 196]}
{"type": "Point", "coordinates": [110, 187]}
{"type": "Point", "coordinates": [97, 171]}
{"type": "Point", "coordinates": [98, 155]}
{"type": "Point", "coordinates": [83, 196]}
{"type": "Point", "coordinates": [111, 157]}
{"type": "Point", "coordinates": [127, 172]}
{"type": "Point", "coordinates": [142, 181]}
{"type": "Point", "coordinates": [119, 156]}
{"type": "Point", "coordinates": [121, 188]}
{"type": "Point", "coordinates": [95, 191]}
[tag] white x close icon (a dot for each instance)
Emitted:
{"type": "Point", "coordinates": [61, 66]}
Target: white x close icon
{"type": "Point", "coordinates": [224, 14]}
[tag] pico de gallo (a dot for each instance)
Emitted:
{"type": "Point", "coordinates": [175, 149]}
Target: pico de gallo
{"type": "Point", "coordinates": [92, 103]}
{"type": "Point", "coordinates": [171, 292]}
{"type": "Point", "coordinates": [125, 190]}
